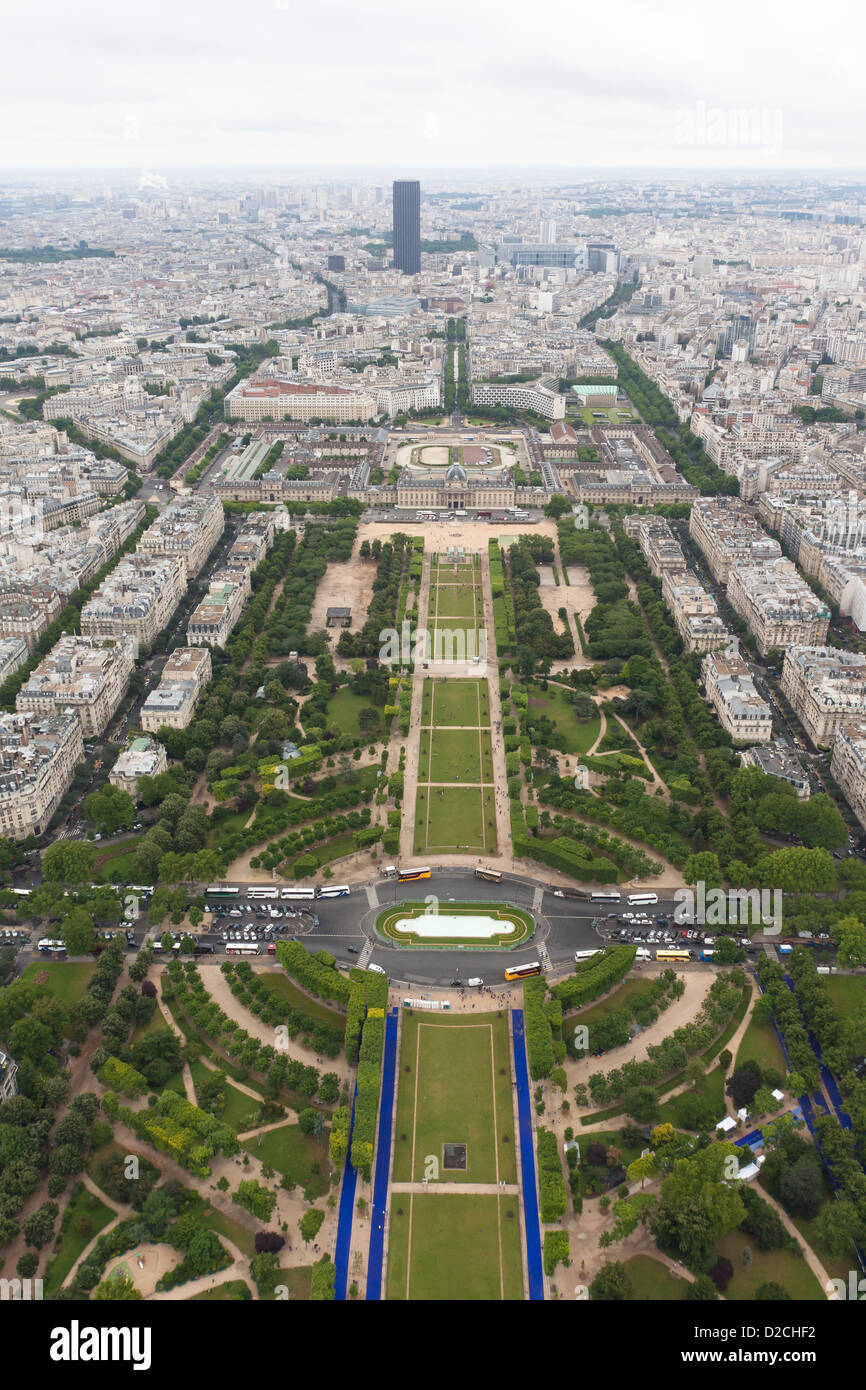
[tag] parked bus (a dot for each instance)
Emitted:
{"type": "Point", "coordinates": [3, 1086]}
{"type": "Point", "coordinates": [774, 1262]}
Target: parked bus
{"type": "Point", "coordinates": [143, 888]}
{"type": "Point", "coordinates": [494, 875]}
{"type": "Point", "coordinates": [215, 891]}
{"type": "Point", "coordinates": [642, 899]}
{"type": "Point", "coordinates": [339, 890]}
{"type": "Point", "coordinates": [707, 955]}
{"type": "Point", "coordinates": [586, 955]}
{"type": "Point", "coordinates": [297, 895]}
{"type": "Point", "coordinates": [520, 972]}
{"type": "Point", "coordinates": [22, 892]}
{"type": "Point", "coordinates": [47, 944]}
{"type": "Point", "coordinates": [242, 948]}
{"type": "Point", "coordinates": [676, 955]}
{"type": "Point", "coordinates": [409, 875]}
{"type": "Point", "coordinates": [606, 897]}
{"type": "Point", "coordinates": [263, 892]}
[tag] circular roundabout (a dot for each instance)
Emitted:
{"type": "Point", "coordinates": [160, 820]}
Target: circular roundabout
{"type": "Point", "coordinates": [477, 925]}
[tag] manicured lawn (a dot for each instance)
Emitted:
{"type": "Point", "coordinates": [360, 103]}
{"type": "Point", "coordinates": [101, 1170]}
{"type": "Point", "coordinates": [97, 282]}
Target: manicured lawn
{"type": "Point", "coordinates": [223, 1293]}
{"type": "Point", "coordinates": [284, 988]}
{"type": "Point", "coordinates": [455, 703]}
{"type": "Point", "coordinates": [290, 1152]}
{"type": "Point", "coordinates": [761, 1045]}
{"type": "Point", "coordinates": [343, 709]}
{"type": "Point", "coordinates": [155, 1024]}
{"type": "Point", "coordinates": [576, 735]}
{"type": "Point", "coordinates": [461, 755]}
{"type": "Point", "coordinates": [770, 1266]}
{"type": "Point", "coordinates": [462, 1248]}
{"type": "Point", "coordinates": [459, 601]}
{"type": "Point", "coordinates": [72, 1242]}
{"type": "Point", "coordinates": [711, 1088]}
{"type": "Point", "coordinates": [652, 1280]}
{"type": "Point", "coordinates": [118, 869]}
{"type": "Point", "coordinates": [463, 1096]}
{"type": "Point", "coordinates": [451, 819]}
{"type": "Point", "coordinates": [324, 853]}
{"type": "Point", "coordinates": [846, 992]}
{"type": "Point", "coordinates": [624, 995]}
{"type": "Point", "coordinates": [67, 980]}
{"type": "Point", "coordinates": [213, 1220]}
{"type": "Point", "coordinates": [239, 1106]}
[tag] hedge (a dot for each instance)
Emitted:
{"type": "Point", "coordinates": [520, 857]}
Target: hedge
{"type": "Point", "coordinates": [367, 1097]}
{"type": "Point", "coordinates": [556, 1250]}
{"type": "Point", "coordinates": [539, 1042]}
{"type": "Point", "coordinates": [601, 974]}
{"type": "Point", "coordinates": [312, 973]}
{"type": "Point", "coordinates": [551, 1183]}
{"type": "Point", "coordinates": [120, 1076]}
{"type": "Point", "coordinates": [338, 1144]}
{"type": "Point", "coordinates": [569, 857]}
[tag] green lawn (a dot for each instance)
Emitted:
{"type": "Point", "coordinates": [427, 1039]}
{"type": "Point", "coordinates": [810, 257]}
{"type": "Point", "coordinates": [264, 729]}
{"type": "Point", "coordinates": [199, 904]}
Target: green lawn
{"type": "Point", "coordinates": [463, 1096]}
{"type": "Point", "coordinates": [576, 735]}
{"type": "Point", "coordinates": [288, 1151]}
{"type": "Point", "coordinates": [621, 997]}
{"type": "Point", "coordinates": [458, 601]}
{"type": "Point", "coordinates": [223, 1293]}
{"type": "Point", "coordinates": [767, 1266]}
{"type": "Point", "coordinates": [284, 988]}
{"type": "Point", "coordinates": [652, 1280]}
{"type": "Point", "coordinates": [454, 820]}
{"type": "Point", "coordinates": [460, 755]}
{"type": "Point", "coordinates": [67, 980]}
{"type": "Point", "coordinates": [118, 869]}
{"type": "Point", "coordinates": [242, 1236]}
{"type": "Point", "coordinates": [90, 1210]}
{"type": "Point", "coordinates": [238, 1107]}
{"type": "Point", "coordinates": [455, 703]}
{"type": "Point", "coordinates": [155, 1024]}
{"type": "Point", "coordinates": [846, 992]}
{"type": "Point", "coordinates": [325, 853]}
{"type": "Point", "coordinates": [760, 1044]}
{"type": "Point", "coordinates": [462, 1248]}
{"type": "Point", "coordinates": [711, 1088]}
{"type": "Point", "coordinates": [611, 1138]}
{"type": "Point", "coordinates": [343, 709]}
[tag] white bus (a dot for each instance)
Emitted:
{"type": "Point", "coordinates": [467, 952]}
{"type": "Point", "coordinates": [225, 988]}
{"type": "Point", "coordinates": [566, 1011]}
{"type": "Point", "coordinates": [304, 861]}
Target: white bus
{"type": "Point", "coordinates": [494, 875]}
{"type": "Point", "coordinates": [22, 892]}
{"type": "Point", "coordinates": [47, 944]}
{"type": "Point", "coordinates": [215, 891]}
{"type": "Point", "coordinates": [586, 955]}
{"type": "Point", "coordinates": [642, 899]}
{"type": "Point", "coordinates": [338, 890]}
{"type": "Point", "coordinates": [242, 948]}
{"type": "Point", "coordinates": [606, 897]}
{"type": "Point", "coordinates": [297, 895]}
{"type": "Point", "coordinates": [263, 892]}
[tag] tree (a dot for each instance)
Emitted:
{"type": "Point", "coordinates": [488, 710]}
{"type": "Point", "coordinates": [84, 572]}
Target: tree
{"type": "Point", "coordinates": [76, 931]}
{"type": "Point", "coordinates": [703, 1290]}
{"type": "Point", "coordinates": [743, 1083]}
{"type": "Point", "coordinates": [611, 1284]}
{"type": "Point", "coordinates": [27, 1265]}
{"type": "Point", "coordinates": [722, 1273]}
{"type": "Point", "coordinates": [697, 1206]}
{"type": "Point", "coordinates": [642, 1168]}
{"type": "Point", "coordinates": [801, 1186]}
{"type": "Point", "coordinates": [110, 809]}
{"type": "Point", "coordinates": [39, 1226]}
{"type": "Point", "coordinates": [703, 868]}
{"type": "Point", "coordinates": [68, 861]}
{"type": "Point", "coordinates": [310, 1224]}
{"type": "Point", "coordinates": [850, 938]}
{"type": "Point", "coordinates": [772, 1293]}
{"type": "Point", "coordinates": [641, 1102]}
{"type": "Point", "coordinates": [117, 1288]}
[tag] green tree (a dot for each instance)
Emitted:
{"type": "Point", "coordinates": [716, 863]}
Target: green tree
{"type": "Point", "coordinates": [698, 1205]}
{"type": "Point", "coordinates": [68, 861]}
{"type": "Point", "coordinates": [117, 1288]}
{"type": "Point", "coordinates": [611, 1284]}
{"type": "Point", "coordinates": [39, 1225]}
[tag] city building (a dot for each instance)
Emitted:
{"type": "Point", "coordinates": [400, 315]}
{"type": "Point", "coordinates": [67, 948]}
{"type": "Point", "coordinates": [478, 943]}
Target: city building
{"type": "Point", "coordinates": [729, 536]}
{"type": "Point", "coordinates": [184, 677]}
{"type": "Point", "coordinates": [826, 687]}
{"type": "Point", "coordinates": [694, 611]}
{"type": "Point", "coordinates": [777, 759]}
{"type": "Point", "coordinates": [138, 599]}
{"type": "Point", "coordinates": [144, 757]}
{"type": "Point", "coordinates": [13, 654]}
{"type": "Point", "coordinates": [848, 765]}
{"type": "Point", "coordinates": [211, 623]}
{"type": "Point", "coordinates": [731, 691]}
{"type": "Point", "coordinates": [38, 757]}
{"type": "Point", "coordinates": [84, 675]}
{"type": "Point", "coordinates": [189, 528]}
{"type": "Point", "coordinates": [778, 606]}
{"type": "Point", "coordinates": [406, 195]}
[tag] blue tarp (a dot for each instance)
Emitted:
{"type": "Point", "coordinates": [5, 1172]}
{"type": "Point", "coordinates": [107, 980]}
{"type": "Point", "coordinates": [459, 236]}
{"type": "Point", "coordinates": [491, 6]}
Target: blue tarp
{"type": "Point", "coordinates": [535, 1270]}
{"type": "Point", "coordinates": [383, 1162]}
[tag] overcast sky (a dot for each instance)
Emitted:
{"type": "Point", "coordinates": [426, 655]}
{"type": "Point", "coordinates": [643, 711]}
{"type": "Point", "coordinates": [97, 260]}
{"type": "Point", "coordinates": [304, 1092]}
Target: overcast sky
{"type": "Point", "coordinates": [465, 83]}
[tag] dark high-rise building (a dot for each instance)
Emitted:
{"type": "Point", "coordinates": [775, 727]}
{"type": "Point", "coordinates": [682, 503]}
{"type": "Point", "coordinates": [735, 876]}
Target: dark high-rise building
{"type": "Point", "coordinates": [336, 262]}
{"type": "Point", "coordinates": [407, 226]}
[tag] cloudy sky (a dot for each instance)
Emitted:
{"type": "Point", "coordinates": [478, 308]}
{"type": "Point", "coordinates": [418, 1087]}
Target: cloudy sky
{"type": "Point", "coordinates": [281, 84]}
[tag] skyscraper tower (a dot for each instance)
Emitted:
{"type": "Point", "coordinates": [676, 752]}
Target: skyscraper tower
{"type": "Point", "coordinates": [407, 226]}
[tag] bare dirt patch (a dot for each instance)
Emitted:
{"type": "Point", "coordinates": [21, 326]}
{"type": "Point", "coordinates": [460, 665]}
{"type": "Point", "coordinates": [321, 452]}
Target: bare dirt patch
{"type": "Point", "coordinates": [345, 584]}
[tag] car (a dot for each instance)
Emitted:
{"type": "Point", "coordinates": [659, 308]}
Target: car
{"type": "Point", "coordinates": [376, 968]}
{"type": "Point", "coordinates": [235, 912]}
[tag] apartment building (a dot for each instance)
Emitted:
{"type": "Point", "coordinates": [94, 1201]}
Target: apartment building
{"type": "Point", "coordinates": [138, 598]}
{"type": "Point", "coordinates": [848, 765]}
{"type": "Point", "coordinates": [38, 756]}
{"type": "Point", "coordinates": [826, 687]}
{"type": "Point", "coordinates": [184, 677]}
{"type": "Point", "coordinates": [291, 400]}
{"type": "Point", "coordinates": [526, 396]}
{"type": "Point", "coordinates": [214, 618]}
{"type": "Point", "coordinates": [659, 545]}
{"type": "Point", "coordinates": [188, 529]}
{"type": "Point", "coordinates": [694, 611]}
{"type": "Point", "coordinates": [778, 606]}
{"type": "Point", "coordinates": [731, 691]}
{"type": "Point", "coordinates": [729, 536]}
{"type": "Point", "coordinates": [144, 757]}
{"type": "Point", "coordinates": [8, 1076]}
{"type": "Point", "coordinates": [84, 675]}
{"type": "Point", "coordinates": [777, 759]}
{"type": "Point", "coordinates": [13, 654]}
{"type": "Point", "coordinates": [27, 615]}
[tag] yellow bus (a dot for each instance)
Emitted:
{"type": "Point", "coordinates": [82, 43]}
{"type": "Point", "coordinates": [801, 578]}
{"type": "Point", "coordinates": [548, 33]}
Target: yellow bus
{"type": "Point", "coordinates": [407, 875]}
{"type": "Point", "coordinates": [673, 955]}
{"type": "Point", "coordinates": [520, 972]}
